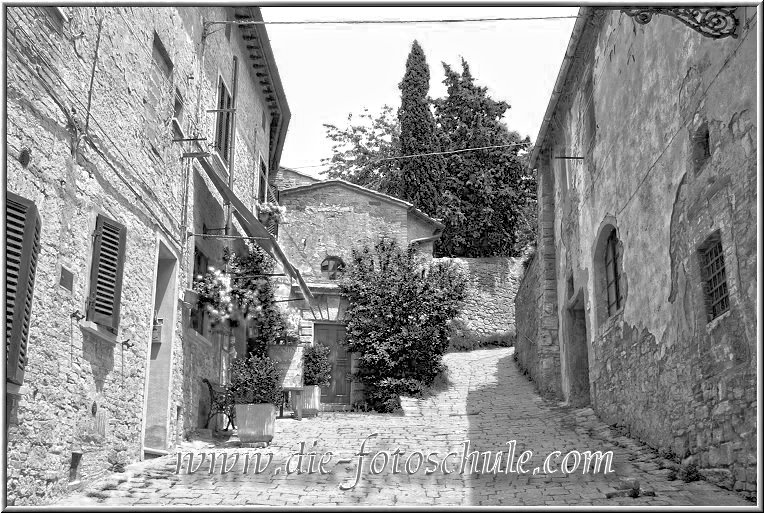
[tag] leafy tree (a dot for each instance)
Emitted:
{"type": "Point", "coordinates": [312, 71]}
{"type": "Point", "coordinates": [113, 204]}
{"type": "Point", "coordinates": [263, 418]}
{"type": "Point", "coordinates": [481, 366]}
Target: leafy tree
{"type": "Point", "coordinates": [485, 191]}
{"type": "Point", "coordinates": [419, 178]}
{"type": "Point", "coordinates": [400, 305]}
{"type": "Point", "coordinates": [364, 152]}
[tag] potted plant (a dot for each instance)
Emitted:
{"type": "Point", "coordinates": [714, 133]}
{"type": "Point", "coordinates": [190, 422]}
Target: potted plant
{"type": "Point", "coordinates": [256, 390]}
{"type": "Point", "coordinates": [317, 373]}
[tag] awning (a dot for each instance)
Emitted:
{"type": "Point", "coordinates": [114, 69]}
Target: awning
{"type": "Point", "coordinates": [254, 228]}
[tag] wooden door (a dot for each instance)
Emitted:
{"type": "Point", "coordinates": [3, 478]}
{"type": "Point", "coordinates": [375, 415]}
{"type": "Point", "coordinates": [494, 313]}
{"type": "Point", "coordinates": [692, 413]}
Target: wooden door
{"type": "Point", "coordinates": [332, 336]}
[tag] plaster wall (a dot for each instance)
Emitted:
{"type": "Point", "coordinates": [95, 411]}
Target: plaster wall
{"type": "Point", "coordinates": [658, 366]}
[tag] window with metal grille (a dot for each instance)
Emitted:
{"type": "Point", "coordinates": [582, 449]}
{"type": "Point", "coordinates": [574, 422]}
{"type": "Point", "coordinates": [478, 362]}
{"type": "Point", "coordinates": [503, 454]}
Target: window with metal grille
{"type": "Point", "coordinates": [105, 295]}
{"type": "Point", "coordinates": [612, 274]}
{"type": "Point", "coordinates": [332, 267]}
{"type": "Point", "coordinates": [715, 277]}
{"type": "Point", "coordinates": [223, 123]}
{"type": "Point", "coordinates": [22, 245]}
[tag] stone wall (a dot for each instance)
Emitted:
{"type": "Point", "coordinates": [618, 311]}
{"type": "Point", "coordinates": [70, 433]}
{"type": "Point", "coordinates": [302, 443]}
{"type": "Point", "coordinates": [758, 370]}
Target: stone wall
{"type": "Point", "coordinates": [657, 365]}
{"type": "Point", "coordinates": [83, 389]}
{"type": "Point", "coordinates": [489, 309]}
{"type": "Point", "coordinates": [333, 219]}
{"type": "Point", "coordinates": [527, 318]}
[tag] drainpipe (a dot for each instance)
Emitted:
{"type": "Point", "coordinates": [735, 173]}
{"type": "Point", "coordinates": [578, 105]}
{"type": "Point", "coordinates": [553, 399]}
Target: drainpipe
{"type": "Point", "coordinates": [232, 147]}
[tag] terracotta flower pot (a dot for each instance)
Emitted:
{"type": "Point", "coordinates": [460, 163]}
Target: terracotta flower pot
{"type": "Point", "coordinates": [255, 422]}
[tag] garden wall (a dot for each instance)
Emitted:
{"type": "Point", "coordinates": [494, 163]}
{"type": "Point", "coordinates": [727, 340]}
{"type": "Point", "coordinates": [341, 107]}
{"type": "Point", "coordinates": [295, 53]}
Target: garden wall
{"type": "Point", "coordinates": [490, 305]}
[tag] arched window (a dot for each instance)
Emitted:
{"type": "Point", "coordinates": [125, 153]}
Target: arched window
{"type": "Point", "coordinates": [332, 267]}
{"type": "Point", "coordinates": [612, 274]}
{"type": "Point", "coordinates": [609, 282]}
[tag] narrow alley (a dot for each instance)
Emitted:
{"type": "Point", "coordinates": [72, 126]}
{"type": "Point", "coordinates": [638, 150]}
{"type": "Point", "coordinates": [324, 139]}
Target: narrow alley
{"type": "Point", "coordinates": [486, 401]}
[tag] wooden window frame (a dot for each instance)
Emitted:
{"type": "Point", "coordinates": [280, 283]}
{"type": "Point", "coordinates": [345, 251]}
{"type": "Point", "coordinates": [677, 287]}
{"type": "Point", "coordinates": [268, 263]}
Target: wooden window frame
{"type": "Point", "coordinates": [262, 188]}
{"type": "Point", "coordinates": [22, 255]}
{"type": "Point", "coordinates": [106, 273]}
{"type": "Point", "coordinates": [223, 125]}
{"type": "Point", "coordinates": [612, 275]}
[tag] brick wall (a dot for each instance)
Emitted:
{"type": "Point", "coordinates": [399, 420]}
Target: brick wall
{"type": "Point", "coordinates": [287, 178]}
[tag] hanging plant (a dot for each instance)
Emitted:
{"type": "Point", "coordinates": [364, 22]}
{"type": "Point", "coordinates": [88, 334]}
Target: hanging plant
{"type": "Point", "coordinates": [213, 289]}
{"type": "Point", "coordinates": [245, 293]}
{"type": "Point", "coordinates": [272, 211]}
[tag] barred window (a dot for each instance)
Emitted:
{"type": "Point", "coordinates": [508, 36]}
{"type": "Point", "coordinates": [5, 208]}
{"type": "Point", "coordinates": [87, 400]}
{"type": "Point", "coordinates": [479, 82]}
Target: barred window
{"type": "Point", "coordinates": [611, 274]}
{"type": "Point", "coordinates": [714, 276]}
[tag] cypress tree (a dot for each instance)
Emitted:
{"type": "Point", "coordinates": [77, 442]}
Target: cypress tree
{"type": "Point", "coordinates": [418, 179]}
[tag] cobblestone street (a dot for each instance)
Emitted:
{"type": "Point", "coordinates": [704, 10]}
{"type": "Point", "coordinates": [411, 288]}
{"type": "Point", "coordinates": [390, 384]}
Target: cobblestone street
{"type": "Point", "coordinates": [487, 401]}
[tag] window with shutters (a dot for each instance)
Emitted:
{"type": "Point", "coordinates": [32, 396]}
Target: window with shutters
{"type": "Point", "coordinates": [223, 123]}
{"type": "Point", "coordinates": [22, 246]}
{"type": "Point", "coordinates": [105, 294]}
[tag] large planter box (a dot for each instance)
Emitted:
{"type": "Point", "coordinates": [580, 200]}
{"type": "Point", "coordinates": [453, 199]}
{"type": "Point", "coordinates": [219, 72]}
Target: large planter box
{"type": "Point", "coordinates": [311, 400]}
{"type": "Point", "coordinates": [255, 422]}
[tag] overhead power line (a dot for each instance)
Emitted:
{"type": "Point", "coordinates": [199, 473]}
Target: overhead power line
{"type": "Point", "coordinates": [428, 154]}
{"type": "Point", "coordinates": [383, 22]}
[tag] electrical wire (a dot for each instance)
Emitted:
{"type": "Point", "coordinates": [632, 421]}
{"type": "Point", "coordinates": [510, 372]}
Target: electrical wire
{"type": "Point", "coordinates": [35, 73]}
{"type": "Point", "coordinates": [386, 22]}
{"type": "Point", "coordinates": [429, 154]}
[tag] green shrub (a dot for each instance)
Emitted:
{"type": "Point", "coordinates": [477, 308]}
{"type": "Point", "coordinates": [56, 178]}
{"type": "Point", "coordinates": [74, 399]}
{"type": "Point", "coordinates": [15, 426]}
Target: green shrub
{"type": "Point", "coordinates": [399, 308]}
{"type": "Point", "coordinates": [317, 369]}
{"type": "Point", "coordinates": [255, 380]}
{"type": "Point", "coordinates": [462, 342]}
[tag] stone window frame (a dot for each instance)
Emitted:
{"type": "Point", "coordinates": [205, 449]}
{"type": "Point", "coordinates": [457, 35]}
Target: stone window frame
{"type": "Point", "coordinates": [713, 271]}
{"type": "Point", "coordinates": [332, 272]}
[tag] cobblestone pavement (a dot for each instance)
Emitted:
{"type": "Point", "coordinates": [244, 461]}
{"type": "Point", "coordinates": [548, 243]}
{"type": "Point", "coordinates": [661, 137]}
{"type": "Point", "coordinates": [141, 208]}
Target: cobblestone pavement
{"type": "Point", "coordinates": [487, 401]}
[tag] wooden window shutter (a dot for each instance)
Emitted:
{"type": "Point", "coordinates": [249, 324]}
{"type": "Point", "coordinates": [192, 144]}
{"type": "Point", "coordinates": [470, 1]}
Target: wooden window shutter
{"type": "Point", "coordinates": [106, 273]}
{"type": "Point", "coordinates": [22, 238]}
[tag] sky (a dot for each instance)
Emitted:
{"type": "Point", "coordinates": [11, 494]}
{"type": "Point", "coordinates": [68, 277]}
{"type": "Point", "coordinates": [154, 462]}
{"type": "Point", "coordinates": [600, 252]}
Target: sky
{"type": "Point", "coordinates": [329, 71]}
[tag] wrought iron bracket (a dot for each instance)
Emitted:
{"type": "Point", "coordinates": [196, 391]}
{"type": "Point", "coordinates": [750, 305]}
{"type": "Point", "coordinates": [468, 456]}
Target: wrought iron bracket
{"type": "Point", "coordinates": [713, 22]}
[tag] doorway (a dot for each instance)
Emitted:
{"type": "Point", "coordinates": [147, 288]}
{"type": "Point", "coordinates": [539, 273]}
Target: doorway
{"type": "Point", "coordinates": [333, 337]}
{"type": "Point", "coordinates": [578, 354]}
{"type": "Point", "coordinates": [160, 355]}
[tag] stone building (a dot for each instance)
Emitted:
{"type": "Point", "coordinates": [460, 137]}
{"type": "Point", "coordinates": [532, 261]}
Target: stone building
{"type": "Point", "coordinates": [641, 298]}
{"type": "Point", "coordinates": [131, 132]}
{"type": "Point", "coordinates": [324, 220]}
